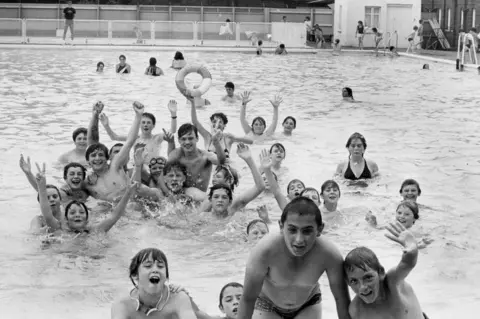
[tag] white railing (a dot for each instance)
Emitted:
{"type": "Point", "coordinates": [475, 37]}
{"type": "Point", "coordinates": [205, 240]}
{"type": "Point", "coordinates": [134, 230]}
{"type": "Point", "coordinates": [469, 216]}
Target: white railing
{"type": "Point", "coordinates": [461, 50]}
{"type": "Point", "coordinates": [137, 32]}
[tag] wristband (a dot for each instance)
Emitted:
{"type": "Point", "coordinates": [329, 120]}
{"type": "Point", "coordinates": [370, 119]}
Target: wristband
{"type": "Point", "coordinates": [174, 117]}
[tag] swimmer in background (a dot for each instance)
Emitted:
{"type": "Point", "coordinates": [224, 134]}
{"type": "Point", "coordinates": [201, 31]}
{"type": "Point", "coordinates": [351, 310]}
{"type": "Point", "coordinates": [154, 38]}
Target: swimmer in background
{"type": "Point", "coordinates": [378, 37]}
{"type": "Point", "coordinates": [411, 40]}
{"type": "Point", "coordinates": [277, 155]}
{"type": "Point", "coordinates": [77, 155]}
{"type": "Point", "coordinates": [359, 34]}
{"type": "Point", "coordinates": [257, 129]}
{"type": "Point", "coordinates": [259, 47]}
{"type": "Point", "coordinates": [153, 142]}
{"type": "Point", "coordinates": [229, 300]}
{"type": "Point", "coordinates": [347, 94]}
{"type": "Point", "coordinates": [392, 52]}
{"type": "Point", "coordinates": [289, 124]}
{"type": "Point", "coordinates": [199, 163]}
{"type": "Point", "coordinates": [76, 213]}
{"type": "Point", "coordinates": [256, 230]}
{"type": "Point", "coordinates": [178, 61]}
{"type": "Point", "coordinates": [330, 193]}
{"type": "Point", "coordinates": [312, 194]}
{"type": "Point", "coordinates": [410, 190]}
{"type": "Point", "coordinates": [362, 168]}
{"type": "Point", "coordinates": [280, 50]}
{"type": "Point", "coordinates": [231, 96]}
{"type": "Point", "coordinates": [100, 67]}
{"type": "Point", "coordinates": [123, 67]}
{"type": "Point", "coordinates": [426, 67]}
{"type": "Point", "coordinates": [218, 121]}
{"type": "Point", "coordinates": [74, 175]}
{"type": "Point", "coordinates": [153, 69]}
{"type": "Point", "coordinates": [152, 297]}
{"type": "Point", "coordinates": [283, 270]}
{"type": "Point", "coordinates": [381, 295]}
{"type": "Point", "coordinates": [38, 225]}
{"type": "Point", "coordinates": [336, 47]}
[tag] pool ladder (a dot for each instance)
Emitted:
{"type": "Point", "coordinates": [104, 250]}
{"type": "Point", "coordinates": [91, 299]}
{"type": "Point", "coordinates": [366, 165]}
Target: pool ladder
{"type": "Point", "coordinates": [461, 56]}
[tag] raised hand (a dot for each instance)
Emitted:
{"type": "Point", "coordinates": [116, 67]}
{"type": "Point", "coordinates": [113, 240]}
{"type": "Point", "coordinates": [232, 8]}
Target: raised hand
{"type": "Point", "coordinates": [263, 212]}
{"type": "Point", "coordinates": [243, 151]}
{"type": "Point", "coordinates": [140, 154]}
{"type": "Point", "coordinates": [276, 101]}
{"type": "Point", "coordinates": [133, 186]}
{"type": "Point", "coordinates": [172, 106]}
{"type": "Point", "coordinates": [177, 288]}
{"type": "Point", "coordinates": [398, 233]}
{"type": "Point", "coordinates": [138, 107]}
{"type": "Point", "coordinates": [265, 159]}
{"type": "Point", "coordinates": [245, 97]}
{"type": "Point", "coordinates": [217, 134]}
{"type": "Point", "coordinates": [40, 177]}
{"type": "Point", "coordinates": [167, 136]}
{"type": "Point", "coordinates": [104, 119]}
{"type": "Point", "coordinates": [97, 108]}
{"type": "Point", "coordinates": [26, 166]}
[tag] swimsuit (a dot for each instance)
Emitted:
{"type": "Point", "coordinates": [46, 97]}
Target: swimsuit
{"type": "Point", "coordinates": [360, 30]}
{"type": "Point", "coordinates": [149, 311]}
{"type": "Point", "coordinates": [120, 68]}
{"type": "Point", "coordinates": [264, 303]}
{"type": "Point", "coordinates": [350, 175]}
{"type": "Point", "coordinates": [152, 70]}
{"type": "Point", "coordinates": [425, 316]}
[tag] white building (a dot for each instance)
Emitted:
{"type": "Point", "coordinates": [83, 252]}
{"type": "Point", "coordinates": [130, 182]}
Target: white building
{"type": "Point", "coordinates": [387, 16]}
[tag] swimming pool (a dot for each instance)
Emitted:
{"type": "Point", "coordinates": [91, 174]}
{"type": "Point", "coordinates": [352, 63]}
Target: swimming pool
{"type": "Point", "coordinates": [418, 124]}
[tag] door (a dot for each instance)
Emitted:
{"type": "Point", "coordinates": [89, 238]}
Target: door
{"type": "Point", "coordinates": [400, 19]}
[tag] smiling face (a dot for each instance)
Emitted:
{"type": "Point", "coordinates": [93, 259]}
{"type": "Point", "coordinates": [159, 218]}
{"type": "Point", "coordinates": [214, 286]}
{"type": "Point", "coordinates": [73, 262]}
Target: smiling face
{"type": "Point", "coordinates": [220, 201]}
{"type": "Point", "coordinates": [147, 125]}
{"type": "Point", "coordinates": [277, 154]}
{"type": "Point", "coordinates": [81, 141]}
{"type": "Point", "coordinates": [405, 216]}
{"type": "Point", "coordinates": [53, 197]}
{"type": "Point", "coordinates": [188, 142]}
{"type": "Point", "coordinates": [410, 192]}
{"type": "Point", "coordinates": [152, 275]}
{"type": "Point", "coordinates": [258, 127]}
{"type": "Point", "coordinates": [218, 123]}
{"type": "Point", "coordinates": [75, 177]}
{"type": "Point", "coordinates": [300, 233]}
{"type": "Point", "coordinates": [356, 147]}
{"type": "Point", "coordinates": [331, 195]}
{"type": "Point", "coordinates": [156, 169]}
{"type": "Point", "coordinates": [97, 160]}
{"type": "Point", "coordinates": [257, 231]}
{"type": "Point", "coordinates": [174, 180]}
{"type": "Point", "coordinates": [231, 301]}
{"type": "Point", "coordinates": [365, 283]}
{"type": "Point", "coordinates": [77, 217]}
{"type": "Point", "coordinates": [288, 126]}
{"type": "Point", "coordinates": [294, 189]}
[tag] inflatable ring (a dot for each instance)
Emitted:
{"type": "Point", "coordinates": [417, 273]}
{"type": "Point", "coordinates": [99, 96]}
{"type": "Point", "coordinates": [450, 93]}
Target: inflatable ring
{"type": "Point", "coordinates": [204, 86]}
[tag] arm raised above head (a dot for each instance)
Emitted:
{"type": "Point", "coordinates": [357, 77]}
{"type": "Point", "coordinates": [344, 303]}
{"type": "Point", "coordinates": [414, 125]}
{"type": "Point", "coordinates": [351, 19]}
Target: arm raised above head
{"type": "Point", "coordinates": [93, 135]}
{"type": "Point", "coordinates": [243, 112]}
{"type": "Point", "coordinates": [399, 234]}
{"type": "Point", "coordinates": [277, 100]}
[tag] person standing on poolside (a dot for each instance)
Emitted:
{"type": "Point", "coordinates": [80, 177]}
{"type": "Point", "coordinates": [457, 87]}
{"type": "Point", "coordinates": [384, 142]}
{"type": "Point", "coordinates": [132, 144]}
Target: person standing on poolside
{"type": "Point", "coordinates": [359, 34]}
{"type": "Point", "coordinates": [283, 270]}
{"type": "Point", "coordinates": [419, 42]}
{"type": "Point", "coordinates": [69, 13]}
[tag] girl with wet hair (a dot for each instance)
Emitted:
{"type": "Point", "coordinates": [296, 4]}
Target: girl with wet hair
{"type": "Point", "coordinates": [347, 94]}
{"type": "Point", "coordinates": [153, 69]}
{"type": "Point", "coordinates": [277, 154]}
{"type": "Point", "coordinates": [178, 61]}
{"type": "Point", "coordinates": [289, 124]}
{"type": "Point", "coordinates": [258, 127]}
{"type": "Point", "coordinates": [100, 67]}
{"type": "Point", "coordinates": [357, 167]}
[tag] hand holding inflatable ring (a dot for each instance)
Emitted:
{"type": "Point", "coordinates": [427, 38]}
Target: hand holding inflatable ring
{"type": "Point", "coordinates": [204, 86]}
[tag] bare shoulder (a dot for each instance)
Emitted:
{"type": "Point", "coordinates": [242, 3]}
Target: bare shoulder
{"type": "Point", "coordinates": [341, 166]}
{"type": "Point", "coordinates": [121, 308]}
{"type": "Point", "coordinates": [269, 245]}
{"type": "Point", "coordinates": [354, 307]}
{"type": "Point", "coordinates": [181, 299]}
{"type": "Point", "coordinates": [372, 164]}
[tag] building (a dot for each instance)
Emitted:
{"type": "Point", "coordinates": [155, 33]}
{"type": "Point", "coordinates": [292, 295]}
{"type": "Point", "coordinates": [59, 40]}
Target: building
{"type": "Point", "coordinates": [394, 18]}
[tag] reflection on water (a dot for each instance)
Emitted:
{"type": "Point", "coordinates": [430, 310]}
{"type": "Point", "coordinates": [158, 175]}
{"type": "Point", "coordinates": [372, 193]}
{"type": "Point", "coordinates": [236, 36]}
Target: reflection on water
{"type": "Point", "coordinates": [418, 124]}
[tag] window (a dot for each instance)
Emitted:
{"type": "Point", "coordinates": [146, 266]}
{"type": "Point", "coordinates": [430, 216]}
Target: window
{"type": "Point", "coordinates": [372, 17]}
{"type": "Point", "coordinates": [449, 13]}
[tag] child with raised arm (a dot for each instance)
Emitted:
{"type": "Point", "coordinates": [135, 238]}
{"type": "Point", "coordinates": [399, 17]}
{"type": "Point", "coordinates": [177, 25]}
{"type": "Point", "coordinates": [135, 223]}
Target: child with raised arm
{"type": "Point", "coordinates": [381, 295]}
{"type": "Point", "coordinates": [259, 125]}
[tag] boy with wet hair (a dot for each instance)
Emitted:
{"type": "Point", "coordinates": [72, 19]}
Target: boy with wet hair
{"type": "Point", "coordinates": [78, 153]}
{"type": "Point", "coordinates": [231, 96]}
{"type": "Point", "coordinates": [410, 190]}
{"type": "Point", "coordinates": [381, 295]}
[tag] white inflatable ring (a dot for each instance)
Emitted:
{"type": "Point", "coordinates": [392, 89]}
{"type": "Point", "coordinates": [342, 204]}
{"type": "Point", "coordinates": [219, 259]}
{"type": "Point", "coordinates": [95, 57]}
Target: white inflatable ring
{"type": "Point", "coordinates": [204, 86]}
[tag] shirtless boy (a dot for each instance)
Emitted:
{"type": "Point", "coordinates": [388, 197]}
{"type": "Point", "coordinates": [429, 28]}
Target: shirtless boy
{"type": "Point", "coordinates": [381, 295]}
{"type": "Point", "coordinates": [199, 163]}
{"type": "Point", "coordinates": [231, 96]}
{"type": "Point", "coordinates": [281, 279]}
{"type": "Point", "coordinates": [76, 155]}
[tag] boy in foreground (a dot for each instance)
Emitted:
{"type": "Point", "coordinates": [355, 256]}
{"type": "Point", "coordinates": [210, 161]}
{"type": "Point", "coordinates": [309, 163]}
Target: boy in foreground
{"type": "Point", "coordinates": [381, 295]}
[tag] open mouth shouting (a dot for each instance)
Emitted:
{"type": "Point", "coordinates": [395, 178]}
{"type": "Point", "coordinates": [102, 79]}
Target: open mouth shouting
{"type": "Point", "coordinates": [75, 182]}
{"type": "Point", "coordinates": [154, 279]}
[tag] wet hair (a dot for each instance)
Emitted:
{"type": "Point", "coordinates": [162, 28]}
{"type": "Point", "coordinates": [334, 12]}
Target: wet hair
{"type": "Point", "coordinates": [220, 115]}
{"type": "Point", "coordinates": [282, 46]}
{"type": "Point", "coordinates": [96, 147]}
{"type": "Point", "coordinates": [302, 206]}
{"type": "Point", "coordinates": [222, 291]}
{"type": "Point", "coordinates": [100, 63]}
{"type": "Point", "coordinates": [228, 20]}
{"type": "Point", "coordinates": [230, 85]}
{"type": "Point", "coordinates": [409, 182]}
{"type": "Point", "coordinates": [141, 256]}
{"type": "Point", "coordinates": [349, 91]}
{"type": "Point", "coordinates": [294, 181]}
{"type": "Point", "coordinates": [150, 116]}
{"type": "Point", "coordinates": [220, 186]}
{"type": "Point", "coordinates": [78, 131]}
{"type": "Point", "coordinates": [254, 222]}
{"type": "Point", "coordinates": [278, 145]}
{"type": "Point", "coordinates": [261, 119]}
{"type": "Point", "coordinates": [355, 136]}
{"type": "Point", "coordinates": [311, 189]}
{"type": "Point", "coordinates": [260, 42]}
{"type": "Point", "coordinates": [187, 128]}
{"type": "Point", "coordinates": [391, 48]}
{"type": "Point", "coordinates": [374, 30]}
{"type": "Point", "coordinates": [415, 28]}
{"type": "Point", "coordinates": [178, 56]}
{"type": "Point", "coordinates": [363, 258]}
{"type": "Point", "coordinates": [231, 175]}
{"type": "Point", "coordinates": [410, 205]}
{"type": "Point", "coordinates": [111, 149]}
{"type": "Point", "coordinates": [73, 164]}
{"type": "Point", "coordinates": [153, 62]}
{"type": "Point", "coordinates": [361, 22]}
{"type": "Point", "coordinates": [122, 56]}
{"type": "Point", "coordinates": [52, 187]}
{"type": "Point", "coordinates": [426, 66]}
{"type": "Point", "coordinates": [290, 118]}
{"type": "Point", "coordinates": [78, 203]}
{"type": "Point", "coordinates": [174, 166]}
{"type": "Point", "coordinates": [329, 183]}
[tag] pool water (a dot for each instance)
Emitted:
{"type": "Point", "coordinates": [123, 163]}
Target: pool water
{"type": "Point", "coordinates": [418, 124]}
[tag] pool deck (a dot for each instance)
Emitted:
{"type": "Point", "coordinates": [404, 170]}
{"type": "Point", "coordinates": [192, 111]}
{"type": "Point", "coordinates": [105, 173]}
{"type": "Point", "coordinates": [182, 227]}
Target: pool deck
{"type": "Point", "coordinates": [446, 57]}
